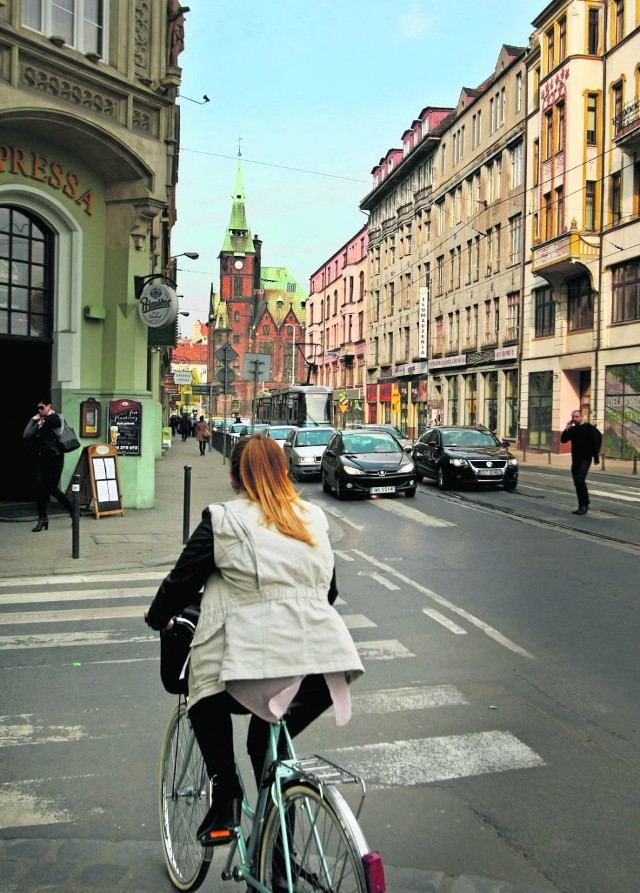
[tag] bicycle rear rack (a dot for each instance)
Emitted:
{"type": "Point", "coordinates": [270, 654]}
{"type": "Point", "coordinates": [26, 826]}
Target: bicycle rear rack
{"type": "Point", "coordinates": [320, 771]}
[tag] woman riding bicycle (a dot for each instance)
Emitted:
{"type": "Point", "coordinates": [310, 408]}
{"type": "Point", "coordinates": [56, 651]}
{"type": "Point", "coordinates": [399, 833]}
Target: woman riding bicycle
{"type": "Point", "coordinates": [268, 639]}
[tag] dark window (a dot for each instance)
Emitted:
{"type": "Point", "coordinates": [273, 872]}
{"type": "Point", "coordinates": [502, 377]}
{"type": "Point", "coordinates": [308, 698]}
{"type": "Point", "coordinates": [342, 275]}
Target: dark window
{"type": "Point", "coordinates": [594, 32]}
{"type": "Point", "coordinates": [237, 286]}
{"type": "Point", "coordinates": [590, 206]}
{"type": "Point", "coordinates": [592, 119]}
{"type": "Point", "coordinates": [579, 304]}
{"type": "Point", "coordinates": [616, 210]}
{"type": "Point", "coordinates": [626, 292]}
{"type": "Point", "coordinates": [540, 400]}
{"type": "Point", "coordinates": [545, 313]}
{"type": "Point", "coordinates": [26, 256]}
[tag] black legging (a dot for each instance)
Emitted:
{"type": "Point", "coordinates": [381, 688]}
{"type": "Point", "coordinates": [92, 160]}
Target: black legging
{"type": "Point", "coordinates": [48, 470]}
{"type": "Point", "coordinates": [211, 722]}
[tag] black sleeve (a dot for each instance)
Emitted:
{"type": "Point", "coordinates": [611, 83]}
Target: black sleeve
{"type": "Point", "coordinates": [566, 435]}
{"type": "Point", "coordinates": [183, 585]}
{"type": "Point", "coordinates": [332, 595]}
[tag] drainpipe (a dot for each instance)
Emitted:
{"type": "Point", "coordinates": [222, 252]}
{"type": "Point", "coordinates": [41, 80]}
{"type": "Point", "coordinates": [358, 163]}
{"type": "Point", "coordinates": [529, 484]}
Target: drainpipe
{"type": "Point", "coordinates": [598, 319]}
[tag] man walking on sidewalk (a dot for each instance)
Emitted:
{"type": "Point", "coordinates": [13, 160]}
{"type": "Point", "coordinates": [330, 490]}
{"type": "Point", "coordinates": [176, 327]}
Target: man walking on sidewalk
{"type": "Point", "coordinates": [586, 441]}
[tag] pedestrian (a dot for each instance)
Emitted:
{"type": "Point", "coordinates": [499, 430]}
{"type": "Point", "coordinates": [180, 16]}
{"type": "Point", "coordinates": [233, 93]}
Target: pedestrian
{"type": "Point", "coordinates": [268, 639]}
{"type": "Point", "coordinates": [185, 426]}
{"type": "Point", "coordinates": [42, 431]}
{"type": "Point", "coordinates": [174, 422]}
{"type": "Point", "coordinates": [202, 434]}
{"type": "Point", "coordinates": [237, 420]}
{"type": "Point", "coordinates": [586, 441]}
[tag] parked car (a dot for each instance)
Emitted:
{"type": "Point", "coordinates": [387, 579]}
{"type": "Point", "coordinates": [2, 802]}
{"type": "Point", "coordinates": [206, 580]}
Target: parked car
{"type": "Point", "coordinates": [303, 451]}
{"type": "Point", "coordinates": [367, 462]}
{"type": "Point", "coordinates": [462, 454]}
{"type": "Point", "coordinates": [280, 432]}
{"type": "Point", "coordinates": [405, 442]}
{"type": "Point", "coordinates": [242, 429]}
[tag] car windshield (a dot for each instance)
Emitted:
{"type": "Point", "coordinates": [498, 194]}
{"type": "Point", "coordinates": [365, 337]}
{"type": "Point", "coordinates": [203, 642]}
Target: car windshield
{"type": "Point", "coordinates": [314, 437]}
{"type": "Point", "coordinates": [468, 439]}
{"type": "Point", "coordinates": [372, 442]}
{"type": "Point", "coordinates": [280, 433]}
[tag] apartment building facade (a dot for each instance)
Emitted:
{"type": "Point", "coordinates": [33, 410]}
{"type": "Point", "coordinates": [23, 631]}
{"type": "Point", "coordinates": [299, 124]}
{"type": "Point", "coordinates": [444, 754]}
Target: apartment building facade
{"type": "Point", "coordinates": [581, 344]}
{"type": "Point", "coordinates": [336, 326]}
{"type": "Point", "coordinates": [446, 261]}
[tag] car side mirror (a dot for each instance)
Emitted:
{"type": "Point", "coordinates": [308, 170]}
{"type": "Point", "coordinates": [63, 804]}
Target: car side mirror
{"type": "Point", "coordinates": [506, 443]}
{"type": "Point", "coordinates": [408, 448]}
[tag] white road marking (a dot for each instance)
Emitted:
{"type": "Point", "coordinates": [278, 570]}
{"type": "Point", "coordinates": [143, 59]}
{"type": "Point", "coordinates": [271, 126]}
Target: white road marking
{"type": "Point", "coordinates": [394, 700]}
{"type": "Point", "coordinates": [379, 579]}
{"type": "Point", "coordinates": [76, 639]}
{"type": "Point", "coordinates": [411, 514]}
{"type": "Point", "coordinates": [343, 555]}
{"type": "Point", "coordinates": [19, 808]}
{"type": "Point", "coordinates": [382, 649]}
{"type": "Point", "coordinates": [621, 496]}
{"type": "Point", "coordinates": [56, 580]}
{"type": "Point", "coordinates": [75, 595]}
{"type": "Point", "coordinates": [449, 624]}
{"type": "Point", "coordinates": [358, 621]}
{"type": "Point", "coordinates": [429, 760]}
{"type": "Point", "coordinates": [342, 517]}
{"type": "Point", "coordinates": [480, 624]}
{"type": "Point", "coordinates": [25, 729]}
{"type": "Point", "coordinates": [114, 613]}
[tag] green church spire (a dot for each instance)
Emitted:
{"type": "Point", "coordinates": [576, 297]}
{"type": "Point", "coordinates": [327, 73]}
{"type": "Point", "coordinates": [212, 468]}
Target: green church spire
{"type": "Point", "coordinates": [238, 238]}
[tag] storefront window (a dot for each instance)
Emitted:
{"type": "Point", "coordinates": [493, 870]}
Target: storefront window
{"type": "Point", "coordinates": [622, 411]}
{"type": "Point", "coordinates": [540, 395]}
{"type": "Point", "coordinates": [511, 403]}
{"type": "Point", "coordinates": [491, 400]}
{"type": "Point", "coordinates": [25, 275]}
{"type": "Point", "coordinates": [471, 400]}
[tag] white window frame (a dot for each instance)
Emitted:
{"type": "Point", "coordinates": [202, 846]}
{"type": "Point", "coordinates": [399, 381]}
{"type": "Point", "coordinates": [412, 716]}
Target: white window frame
{"type": "Point", "coordinates": [44, 11]}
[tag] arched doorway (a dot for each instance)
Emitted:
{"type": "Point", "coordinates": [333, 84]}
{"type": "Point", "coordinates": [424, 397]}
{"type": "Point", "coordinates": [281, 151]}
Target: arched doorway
{"type": "Point", "coordinates": [26, 335]}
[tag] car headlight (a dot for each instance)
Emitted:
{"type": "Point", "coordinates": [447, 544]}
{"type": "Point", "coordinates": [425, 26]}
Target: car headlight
{"type": "Point", "coordinates": [512, 462]}
{"type": "Point", "coordinates": [407, 465]}
{"type": "Point", "coordinates": [305, 460]}
{"type": "Point", "coordinates": [351, 469]}
{"type": "Point", "coordinates": [458, 463]}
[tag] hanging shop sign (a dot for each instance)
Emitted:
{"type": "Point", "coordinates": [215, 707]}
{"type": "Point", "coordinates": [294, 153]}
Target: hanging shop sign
{"type": "Point", "coordinates": [158, 305]}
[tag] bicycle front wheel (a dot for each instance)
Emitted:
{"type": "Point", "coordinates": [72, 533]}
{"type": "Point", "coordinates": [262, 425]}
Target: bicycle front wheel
{"type": "Point", "coordinates": [185, 797]}
{"type": "Point", "coordinates": [324, 843]}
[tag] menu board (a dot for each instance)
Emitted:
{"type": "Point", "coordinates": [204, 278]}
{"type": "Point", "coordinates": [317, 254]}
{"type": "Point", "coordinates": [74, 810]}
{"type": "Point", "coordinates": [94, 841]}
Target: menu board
{"type": "Point", "coordinates": [99, 480]}
{"type": "Point", "coordinates": [124, 426]}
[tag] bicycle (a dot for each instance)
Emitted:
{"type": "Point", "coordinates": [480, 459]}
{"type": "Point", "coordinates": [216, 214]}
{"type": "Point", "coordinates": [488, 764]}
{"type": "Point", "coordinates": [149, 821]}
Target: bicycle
{"type": "Point", "coordinates": [300, 837]}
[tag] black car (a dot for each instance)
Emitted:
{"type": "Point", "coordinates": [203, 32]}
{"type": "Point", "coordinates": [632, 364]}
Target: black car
{"type": "Point", "coordinates": [366, 463]}
{"type": "Point", "coordinates": [456, 454]}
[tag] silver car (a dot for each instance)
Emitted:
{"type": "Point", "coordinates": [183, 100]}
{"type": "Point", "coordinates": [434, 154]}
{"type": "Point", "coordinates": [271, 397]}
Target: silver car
{"type": "Point", "coordinates": [405, 442]}
{"type": "Point", "coordinates": [280, 433]}
{"type": "Point", "coordinates": [303, 451]}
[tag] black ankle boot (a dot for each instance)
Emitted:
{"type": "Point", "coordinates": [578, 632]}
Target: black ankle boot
{"type": "Point", "coordinates": [43, 524]}
{"type": "Point", "coordinates": [219, 823]}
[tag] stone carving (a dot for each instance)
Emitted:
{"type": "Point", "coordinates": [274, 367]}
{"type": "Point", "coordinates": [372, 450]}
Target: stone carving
{"type": "Point", "coordinates": [63, 88]}
{"type": "Point", "coordinates": [175, 31]}
{"type": "Point", "coordinates": [142, 28]}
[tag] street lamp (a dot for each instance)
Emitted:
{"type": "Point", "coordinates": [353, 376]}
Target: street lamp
{"type": "Point", "coordinates": [192, 255]}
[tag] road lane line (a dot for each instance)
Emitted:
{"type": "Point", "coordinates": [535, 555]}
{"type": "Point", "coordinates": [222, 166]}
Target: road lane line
{"type": "Point", "coordinates": [75, 595]}
{"type": "Point", "coordinates": [77, 639]}
{"type": "Point", "coordinates": [416, 697]}
{"type": "Point", "coordinates": [411, 514]}
{"type": "Point", "coordinates": [117, 612]}
{"type": "Point", "coordinates": [449, 624]}
{"type": "Point", "coordinates": [56, 580]}
{"type": "Point", "coordinates": [18, 809]}
{"type": "Point", "coordinates": [429, 760]}
{"type": "Point", "coordinates": [621, 496]}
{"type": "Point", "coordinates": [480, 624]}
{"type": "Point", "coordinates": [379, 579]}
{"type": "Point", "coordinates": [343, 555]}
{"type": "Point", "coordinates": [25, 729]}
{"type": "Point", "coordinates": [357, 621]}
{"type": "Point", "coordinates": [382, 649]}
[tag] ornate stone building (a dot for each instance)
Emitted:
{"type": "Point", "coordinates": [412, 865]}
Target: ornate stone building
{"type": "Point", "coordinates": [88, 165]}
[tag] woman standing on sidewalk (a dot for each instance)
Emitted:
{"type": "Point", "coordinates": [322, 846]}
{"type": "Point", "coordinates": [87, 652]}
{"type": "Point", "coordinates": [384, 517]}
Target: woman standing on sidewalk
{"type": "Point", "coordinates": [202, 434]}
{"type": "Point", "coordinates": [42, 432]}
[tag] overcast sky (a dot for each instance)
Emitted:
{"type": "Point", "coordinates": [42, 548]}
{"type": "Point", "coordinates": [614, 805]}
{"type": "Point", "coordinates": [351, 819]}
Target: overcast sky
{"type": "Point", "coordinates": [318, 92]}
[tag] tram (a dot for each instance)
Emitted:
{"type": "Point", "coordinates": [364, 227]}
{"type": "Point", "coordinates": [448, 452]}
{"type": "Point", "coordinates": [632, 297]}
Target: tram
{"type": "Point", "coordinates": [306, 406]}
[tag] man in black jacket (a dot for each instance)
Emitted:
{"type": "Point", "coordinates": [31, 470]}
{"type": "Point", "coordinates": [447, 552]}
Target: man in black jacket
{"type": "Point", "coordinates": [585, 446]}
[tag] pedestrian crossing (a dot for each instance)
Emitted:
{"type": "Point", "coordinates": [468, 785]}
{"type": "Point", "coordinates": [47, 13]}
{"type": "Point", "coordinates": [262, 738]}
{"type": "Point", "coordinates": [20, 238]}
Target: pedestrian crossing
{"type": "Point", "coordinates": [100, 616]}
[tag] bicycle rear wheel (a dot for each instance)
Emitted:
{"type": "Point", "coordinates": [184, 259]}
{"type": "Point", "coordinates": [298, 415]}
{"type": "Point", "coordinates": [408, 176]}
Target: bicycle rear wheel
{"type": "Point", "coordinates": [325, 843]}
{"type": "Point", "coordinates": [185, 797]}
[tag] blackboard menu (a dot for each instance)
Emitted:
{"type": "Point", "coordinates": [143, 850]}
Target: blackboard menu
{"type": "Point", "coordinates": [124, 426]}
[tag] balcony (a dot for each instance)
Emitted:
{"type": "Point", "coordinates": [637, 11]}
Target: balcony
{"type": "Point", "coordinates": [627, 127]}
{"type": "Point", "coordinates": [556, 259]}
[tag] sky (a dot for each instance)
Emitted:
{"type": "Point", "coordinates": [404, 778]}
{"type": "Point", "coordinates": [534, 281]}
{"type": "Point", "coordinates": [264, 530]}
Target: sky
{"type": "Point", "coordinates": [315, 92]}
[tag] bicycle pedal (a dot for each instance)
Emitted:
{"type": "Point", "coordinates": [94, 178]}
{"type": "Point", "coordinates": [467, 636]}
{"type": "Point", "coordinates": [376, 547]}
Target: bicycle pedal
{"type": "Point", "coordinates": [219, 837]}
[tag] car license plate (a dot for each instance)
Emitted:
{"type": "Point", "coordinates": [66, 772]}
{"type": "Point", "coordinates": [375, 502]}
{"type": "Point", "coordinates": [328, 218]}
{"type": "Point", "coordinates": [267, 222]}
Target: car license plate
{"type": "Point", "coordinates": [490, 472]}
{"type": "Point", "coordinates": [375, 490]}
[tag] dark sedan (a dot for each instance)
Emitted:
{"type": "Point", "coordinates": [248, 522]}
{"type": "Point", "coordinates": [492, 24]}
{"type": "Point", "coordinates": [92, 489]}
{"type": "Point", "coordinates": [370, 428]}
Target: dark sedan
{"type": "Point", "coordinates": [366, 463]}
{"type": "Point", "coordinates": [456, 454]}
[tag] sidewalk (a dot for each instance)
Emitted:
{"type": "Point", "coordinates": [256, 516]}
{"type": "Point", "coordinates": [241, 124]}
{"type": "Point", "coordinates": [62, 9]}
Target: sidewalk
{"type": "Point", "coordinates": [143, 539]}
{"type": "Point", "coordinates": [149, 539]}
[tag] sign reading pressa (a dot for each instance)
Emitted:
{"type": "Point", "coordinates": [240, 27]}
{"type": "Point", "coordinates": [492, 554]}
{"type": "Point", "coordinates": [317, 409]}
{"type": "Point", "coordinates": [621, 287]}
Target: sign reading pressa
{"type": "Point", "coordinates": [158, 305]}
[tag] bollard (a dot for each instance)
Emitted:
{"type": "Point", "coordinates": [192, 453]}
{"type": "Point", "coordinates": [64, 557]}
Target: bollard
{"type": "Point", "coordinates": [635, 465]}
{"type": "Point", "coordinates": [603, 462]}
{"type": "Point", "coordinates": [186, 506]}
{"type": "Point", "coordinates": [549, 458]}
{"type": "Point", "coordinates": [75, 516]}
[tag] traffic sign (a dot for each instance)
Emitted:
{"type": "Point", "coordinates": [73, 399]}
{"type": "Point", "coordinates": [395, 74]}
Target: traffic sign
{"type": "Point", "coordinates": [226, 353]}
{"type": "Point", "coordinates": [225, 375]}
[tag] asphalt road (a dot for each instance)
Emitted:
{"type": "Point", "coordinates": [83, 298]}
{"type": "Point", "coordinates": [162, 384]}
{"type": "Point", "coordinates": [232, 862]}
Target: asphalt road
{"type": "Point", "coordinates": [497, 723]}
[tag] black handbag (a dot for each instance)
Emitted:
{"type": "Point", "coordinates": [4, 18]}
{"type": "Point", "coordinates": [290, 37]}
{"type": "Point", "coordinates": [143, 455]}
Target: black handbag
{"type": "Point", "coordinates": [67, 437]}
{"type": "Point", "coordinates": [175, 644]}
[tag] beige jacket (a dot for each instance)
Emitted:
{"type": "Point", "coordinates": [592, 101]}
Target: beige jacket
{"type": "Point", "coordinates": [265, 613]}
